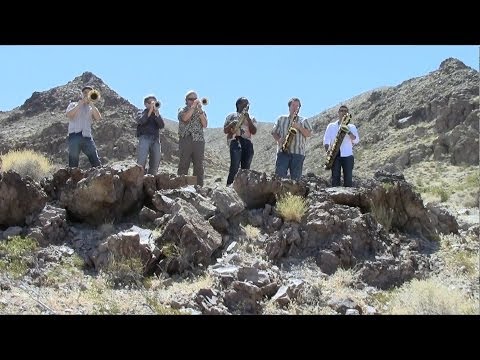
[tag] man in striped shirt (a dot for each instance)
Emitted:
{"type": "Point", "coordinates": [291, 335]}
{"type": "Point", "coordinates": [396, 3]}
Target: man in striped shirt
{"type": "Point", "coordinates": [292, 159]}
{"type": "Point", "coordinates": [81, 114]}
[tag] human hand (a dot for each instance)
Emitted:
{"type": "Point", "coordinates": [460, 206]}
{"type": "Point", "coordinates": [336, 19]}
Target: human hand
{"type": "Point", "coordinates": [197, 104]}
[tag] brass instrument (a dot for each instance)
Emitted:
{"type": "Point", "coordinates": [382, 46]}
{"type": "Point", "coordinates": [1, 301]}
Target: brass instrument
{"type": "Point", "coordinates": [291, 133]}
{"type": "Point", "coordinates": [93, 95]}
{"type": "Point", "coordinates": [204, 101]}
{"type": "Point", "coordinates": [335, 147]}
{"type": "Point", "coordinates": [240, 121]}
{"type": "Point", "coordinates": [157, 104]}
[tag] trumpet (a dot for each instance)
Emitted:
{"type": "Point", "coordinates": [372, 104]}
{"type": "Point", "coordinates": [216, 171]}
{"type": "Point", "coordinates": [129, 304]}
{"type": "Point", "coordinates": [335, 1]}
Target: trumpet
{"type": "Point", "coordinates": [204, 101]}
{"type": "Point", "coordinates": [158, 104]}
{"type": "Point", "coordinates": [93, 95]}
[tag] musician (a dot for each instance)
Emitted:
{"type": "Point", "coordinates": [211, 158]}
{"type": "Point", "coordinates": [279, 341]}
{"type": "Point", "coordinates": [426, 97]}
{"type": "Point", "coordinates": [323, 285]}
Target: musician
{"type": "Point", "coordinates": [149, 123]}
{"type": "Point", "coordinates": [191, 145]}
{"type": "Point", "coordinates": [344, 159]}
{"type": "Point", "coordinates": [239, 127]}
{"type": "Point", "coordinates": [81, 114]}
{"type": "Point", "coordinates": [292, 159]}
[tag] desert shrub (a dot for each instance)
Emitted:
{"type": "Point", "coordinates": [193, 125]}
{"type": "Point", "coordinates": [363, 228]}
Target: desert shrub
{"type": "Point", "coordinates": [431, 297]}
{"type": "Point", "coordinates": [439, 191]}
{"type": "Point", "coordinates": [27, 163]}
{"type": "Point", "coordinates": [251, 232]}
{"type": "Point", "coordinates": [124, 271]}
{"type": "Point", "coordinates": [291, 207]}
{"type": "Point", "coordinates": [15, 255]}
{"type": "Point", "coordinates": [383, 215]}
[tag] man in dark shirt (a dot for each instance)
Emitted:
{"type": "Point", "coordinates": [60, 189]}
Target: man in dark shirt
{"type": "Point", "coordinates": [149, 123]}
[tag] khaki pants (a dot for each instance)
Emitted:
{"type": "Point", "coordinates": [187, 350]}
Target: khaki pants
{"type": "Point", "coordinates": [191, 151]}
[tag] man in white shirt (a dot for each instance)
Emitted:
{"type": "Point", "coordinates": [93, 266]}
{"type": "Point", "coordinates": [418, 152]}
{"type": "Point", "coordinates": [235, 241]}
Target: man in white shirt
{"type": "Point", "coordinates": [344, 159]}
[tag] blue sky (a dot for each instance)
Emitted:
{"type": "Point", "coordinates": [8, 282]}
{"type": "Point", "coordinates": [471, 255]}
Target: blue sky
{"type": "Point", "coordinates": [321, 76]}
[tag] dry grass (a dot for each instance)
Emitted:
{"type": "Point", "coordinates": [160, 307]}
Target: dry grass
{"type": "Point", "coordinates": [291, 207]}
{"type": "Point", "coordinates": [383, 215]}
{"type": "Point", "coordinates": [123, 271]}
{"type": "Point", "coordinates": [251, 232]}
{"type": "Point", "coordinates": [27, 163]}
{"type": "Point", "coordinates": [455, 186]}
{"type": "Point", "coordinates": [431, 297]}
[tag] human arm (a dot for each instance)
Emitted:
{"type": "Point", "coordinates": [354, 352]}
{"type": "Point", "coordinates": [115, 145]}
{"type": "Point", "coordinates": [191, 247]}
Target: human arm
{"type": "Point", "coordinates": [160, 121]}
{"type": "Point", "coordinates": [229, 124]}
{"type": "Point", "coordinates": [95, 113]}
{"type": "Point", "coordinates": [304, 127]}
{"type": "Point", "coordinates": [353, 134]}
{"type": "Point", "coordinates": [252, 124]}
{"type": "Point", "coordinates": [73, 108]}
{"type": "Point", "coordinates": [276, 131]}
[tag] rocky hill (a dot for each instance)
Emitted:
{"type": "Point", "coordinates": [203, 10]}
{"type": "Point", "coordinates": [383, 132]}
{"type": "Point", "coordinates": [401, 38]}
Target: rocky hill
{"type": "Point", "coordinates": [434, 117]}
{"type": "Point", "coordinates": [111, 240]}
{"type": "Point", "coordinates": [40, 124]}
{"type": "Point", "coordinates": [430, 118]}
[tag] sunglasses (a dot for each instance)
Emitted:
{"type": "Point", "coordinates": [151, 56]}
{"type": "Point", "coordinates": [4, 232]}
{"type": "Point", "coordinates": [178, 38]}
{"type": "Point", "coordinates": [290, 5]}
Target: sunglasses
{"type": "Point", "coordinates": [192, 99]}
{"type": "Point", "coordinates": [342, 110]}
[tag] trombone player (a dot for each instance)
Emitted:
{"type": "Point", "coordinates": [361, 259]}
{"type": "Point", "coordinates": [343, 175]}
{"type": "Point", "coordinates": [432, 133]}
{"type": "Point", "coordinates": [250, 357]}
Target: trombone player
{"type": "Point", "coordinates": [296, 129]}
{"type": "Point", "coordinates": [192, 119]}
{"type": "Point", "coordinates": [81, 114]}
{"type": "Point", "coordinates": [239, 127]}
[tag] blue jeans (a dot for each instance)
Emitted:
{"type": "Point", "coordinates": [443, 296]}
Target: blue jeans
{"type": "Point", "coordinates": [345, 163]}
{"type": "Point", "coordinates": [241, 154]}
{"type": "Point", "coordinates": [286, 161]}
{"type": "Point", "coordinates": [77, 143]}
{"type": "Point", "coordinates": [148, 145]}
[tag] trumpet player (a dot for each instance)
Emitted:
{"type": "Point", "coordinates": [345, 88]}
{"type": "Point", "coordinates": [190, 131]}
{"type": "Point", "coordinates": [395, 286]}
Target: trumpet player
{"type": "Point", "coordinates": [344, 159]}
{"type": "Point", "coordinates": [149, 123]}
{"type": "Point", "coordinates": [192, 119]}
{"type": "Point", "coordinates": [81, 114]}
{"type": "Point", "coordinates": [239, 127]}
{"type": "Point", "coordinates": [300, 129]}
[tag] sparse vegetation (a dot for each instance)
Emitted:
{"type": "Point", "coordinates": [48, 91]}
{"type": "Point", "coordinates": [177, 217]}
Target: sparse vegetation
{"type": "Point", "coordinates": [27, 163]}
{"type": "Point", "coordinates": [16, 255]}
{"type": "Point", "coordinates": [251, 232]}
{"type": "Point", "coordinates": [383, 215]}
{"type": "Point", "coordinates": [124, 271]}
{"type": "Point", "coordinates": [291, 207]}
{"type": "Point", "coordinates": [431, 297]}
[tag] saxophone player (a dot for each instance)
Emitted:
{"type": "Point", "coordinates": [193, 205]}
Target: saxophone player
{"type": "Point", "coordinates": [192, 119]}
{"type": "Point", "coordinates": [239, 127]}
{"type": "Point", "coordinates": [299, 129]}
{"type": "Point", "coordinates": [344, 159]}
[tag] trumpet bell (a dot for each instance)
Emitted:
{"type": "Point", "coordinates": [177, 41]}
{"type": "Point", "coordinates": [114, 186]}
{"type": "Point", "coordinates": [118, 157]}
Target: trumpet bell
{"type": "Point", "coordinates": [93, 95]}
{"type": "Point", "coordinates": [204, 101]}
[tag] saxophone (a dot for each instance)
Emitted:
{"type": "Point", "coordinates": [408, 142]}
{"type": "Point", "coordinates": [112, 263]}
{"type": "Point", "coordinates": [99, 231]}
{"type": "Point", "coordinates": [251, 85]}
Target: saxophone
{"type": "Point", "coordinates": [291, 133]}
{"type": "Point", "coordinates": [335, 147]}
{"type": "Point", "coordinates": [240, 121]}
